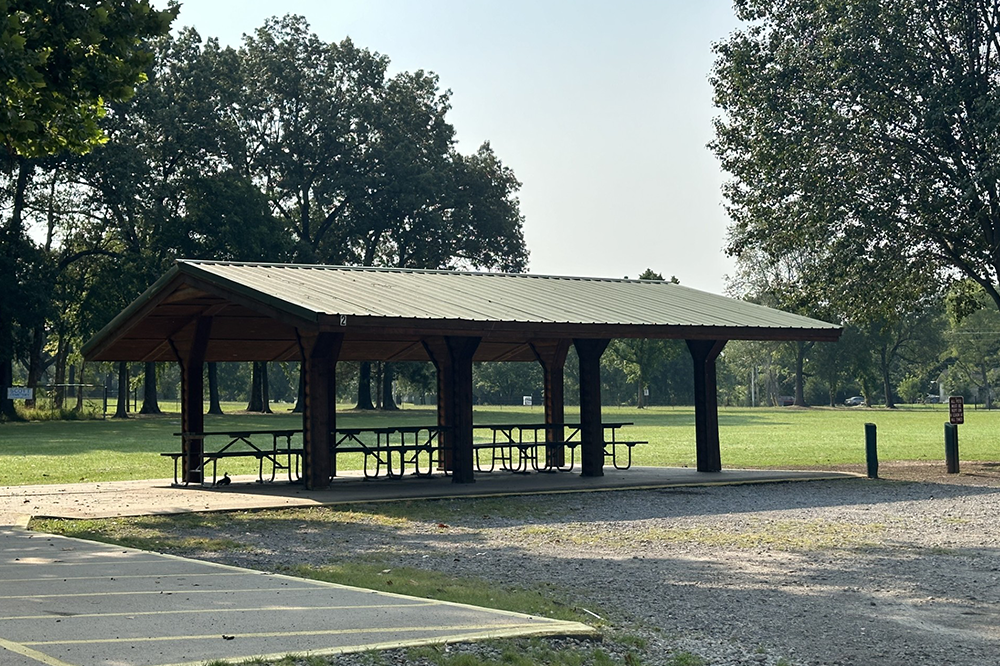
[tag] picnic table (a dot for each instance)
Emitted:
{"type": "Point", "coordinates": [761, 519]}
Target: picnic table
{"type": "Point", "coordinates": [523, 447]}
{"type": "Point", "coordinates": [388, 452]}
{"type": "Point", "coordinates": [393, 449]}
{"type": "Point", "coordinates": [240, 445]}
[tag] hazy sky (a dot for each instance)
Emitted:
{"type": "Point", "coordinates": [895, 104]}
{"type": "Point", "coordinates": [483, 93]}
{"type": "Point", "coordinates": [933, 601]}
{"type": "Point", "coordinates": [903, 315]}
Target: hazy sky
{"type": "Point", "coordinates": [602, 109]}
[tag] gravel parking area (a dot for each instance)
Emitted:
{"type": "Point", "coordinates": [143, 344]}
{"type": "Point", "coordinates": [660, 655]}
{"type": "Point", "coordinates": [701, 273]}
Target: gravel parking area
{"type": "Point", "coordinates": [891, 572]}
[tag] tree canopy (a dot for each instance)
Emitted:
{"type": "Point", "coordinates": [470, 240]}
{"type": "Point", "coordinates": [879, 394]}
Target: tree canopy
{"type": "Point", "coordinates": [63, 62]}
{"type": "Point", "coordinates": [285, 148]}
{"type": "Point", "coordinates": [862, 136]}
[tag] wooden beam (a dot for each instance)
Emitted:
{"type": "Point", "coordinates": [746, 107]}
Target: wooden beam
{"type": "Point", "coordinates": [437, 351]}
{"type": "Point", "coordinates": [319, 407]}
{"type": "Point", "coordinates": [551, 354]}
{"type": "Point", "coordinates": [192, 402]}
{"type": "Point", "coordinates": [453, 358]}
{"type": "Point", "coordinates": [591, 426]}
{"type": "Point", "coordinates": [706, 403]}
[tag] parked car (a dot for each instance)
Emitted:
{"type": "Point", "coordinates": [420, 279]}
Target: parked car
{"type": "Point", "coordinates": [854, 401]}
{"type": "Point", "coordinates": [932, 399]}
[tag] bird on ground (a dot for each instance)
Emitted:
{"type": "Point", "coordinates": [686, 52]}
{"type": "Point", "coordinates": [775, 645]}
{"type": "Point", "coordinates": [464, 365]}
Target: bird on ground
{"type": "Point", "coordinates": [225, 480]}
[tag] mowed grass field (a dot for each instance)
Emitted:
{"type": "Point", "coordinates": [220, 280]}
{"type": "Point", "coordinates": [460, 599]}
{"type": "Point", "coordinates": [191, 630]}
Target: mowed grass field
{"type": "Point", "coordinates": [70, 451]}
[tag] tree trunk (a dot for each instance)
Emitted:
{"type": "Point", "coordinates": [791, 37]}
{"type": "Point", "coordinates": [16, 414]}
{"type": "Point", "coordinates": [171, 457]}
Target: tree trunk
{"type": "Point", "coordinates": [989, 389]}
{"type": "Point", "coordinates": [79, 389]}
{"type": "Point", "coordinates": [214, 405]}
{"type": "Point", "coordinates": [886, 382]}
{"type": "Point", "coordinates": [256, 403]}
{"type": "Point", "coordinates": [265, 391]}
{"type": "Point", "coordinates": [259, 398]}
{"type": "Point", "coordinates": [10, 238]}
{"type": "Point", "coordinates": [640, 394]}
{"type": "Point", "coordinates": [62, 351]}
{"type": "Point", "coordinates": [121, 409]}
{"type": "Point", "coordinates": [365, 387]}
{"type": "Point", "coordinates": [35, 360]}
{"type": "Point", "coordinates": [800, 378]}
{"type": "Point", "coordinates": [388, 399]}
{"type": "Point", "coordinates": [150, 404]}
{"type": "Point", "coordinates": [7, 411]}
{"type": "Point", "coordinates": [301, 393]}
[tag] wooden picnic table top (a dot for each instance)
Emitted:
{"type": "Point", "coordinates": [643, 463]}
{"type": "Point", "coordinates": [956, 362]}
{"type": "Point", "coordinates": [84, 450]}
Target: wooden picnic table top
{"type": "Point", "coordinates": [542, 426]}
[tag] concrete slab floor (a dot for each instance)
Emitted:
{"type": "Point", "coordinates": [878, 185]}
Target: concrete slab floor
{"type": "Point", "coordinates": [139, 498]}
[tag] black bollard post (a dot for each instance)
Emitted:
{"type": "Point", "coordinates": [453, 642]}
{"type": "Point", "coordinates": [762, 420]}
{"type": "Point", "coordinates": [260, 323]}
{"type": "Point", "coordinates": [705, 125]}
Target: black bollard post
{"type": "Point", "coordinates": [951, 447]}
{"type": "Point", "coordinates": [871, 450]}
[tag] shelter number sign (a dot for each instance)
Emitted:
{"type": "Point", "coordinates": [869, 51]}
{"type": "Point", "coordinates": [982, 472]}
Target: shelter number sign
{"type": "Point", "coordinates": [956, 409]}
{"type": "Point", "coordinates": [20, 393]}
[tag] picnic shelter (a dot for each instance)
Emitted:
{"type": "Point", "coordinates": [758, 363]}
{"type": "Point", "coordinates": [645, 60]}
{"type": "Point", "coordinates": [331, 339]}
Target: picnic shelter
{"type": "Point", "coordinates": [204, 311]}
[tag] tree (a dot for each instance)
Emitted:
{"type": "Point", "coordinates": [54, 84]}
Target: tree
{"type": "Point", "coordinates": [62, 63]}
{"type": "Point", "coordinates": [637, 357]}
{"type": "Point", "coordinates": [973, 339]}
{"type": "Point", "coordinates": [865, 131]}
{"type": "Point", "coordinates": [361, 166]}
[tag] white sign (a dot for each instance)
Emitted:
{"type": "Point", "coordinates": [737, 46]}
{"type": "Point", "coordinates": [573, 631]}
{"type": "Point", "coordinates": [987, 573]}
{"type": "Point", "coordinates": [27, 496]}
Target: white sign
{"type": "Point", "coordinates": [527, 400]}
{"type": "Point", "coordinates": [20, 393]}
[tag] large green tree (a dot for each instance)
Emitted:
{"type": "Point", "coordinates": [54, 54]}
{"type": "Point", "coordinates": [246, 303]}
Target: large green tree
{"type": "Point", "coordinates": [866, 131]}
{"type": "Point", "coordinates": [61, 64]}
{"type": "Point", "coordinates": [362, 167]}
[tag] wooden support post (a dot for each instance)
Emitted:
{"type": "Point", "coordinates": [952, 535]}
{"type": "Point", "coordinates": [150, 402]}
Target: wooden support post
{"type": "Point", "coordinates": [319, 407]}
{"type": "Point", "coordinates": [452, 356]}
{"type": "Point", "coordinates": [552, 357]}
{"type": "Point", "coordinates": [591, 426]}
{"type": "Point", "coordinates": [192, 402]}
{"type": "Point", "coordinates": [437, 350]}
{"type": "Point", "coordinates": [706, 403]}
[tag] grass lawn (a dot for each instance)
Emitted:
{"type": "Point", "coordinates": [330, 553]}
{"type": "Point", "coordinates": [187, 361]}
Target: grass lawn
{"type": "Point", "coordinates": [68, 451]}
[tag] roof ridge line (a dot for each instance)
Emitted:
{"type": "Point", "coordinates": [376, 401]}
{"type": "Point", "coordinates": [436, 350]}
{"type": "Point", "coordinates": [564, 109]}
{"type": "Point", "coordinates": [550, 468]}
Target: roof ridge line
{"type": "Point", "coordinates": [428, 271]}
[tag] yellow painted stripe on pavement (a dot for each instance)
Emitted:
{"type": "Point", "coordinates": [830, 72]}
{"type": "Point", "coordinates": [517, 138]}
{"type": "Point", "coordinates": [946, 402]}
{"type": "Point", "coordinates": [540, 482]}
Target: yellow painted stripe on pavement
{"type": "Point", "coordinates": [557, 628]}
{"type": "Point", "coordinates": [61, 579]}
{"type": "Point", "coordinates": [136, 593]}
{"type": "Point", "coordinates": [286, 634]}
{"type": "Point", "coordinates": [40, 657]}
{"type": "Point", "coordinates": [255, 609]}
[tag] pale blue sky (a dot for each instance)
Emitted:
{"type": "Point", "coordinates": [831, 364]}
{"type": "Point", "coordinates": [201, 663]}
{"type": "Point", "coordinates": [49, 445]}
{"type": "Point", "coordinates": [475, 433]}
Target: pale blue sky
{"type": "Point", "coordinates": [602, 110]}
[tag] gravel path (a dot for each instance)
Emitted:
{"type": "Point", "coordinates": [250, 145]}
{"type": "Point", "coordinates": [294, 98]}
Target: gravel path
{"type": "Point", "coordinates": [845, 572]}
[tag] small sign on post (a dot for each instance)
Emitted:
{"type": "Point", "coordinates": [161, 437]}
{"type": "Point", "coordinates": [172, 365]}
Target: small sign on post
{"type": "Point", "coordinates": [527, 400]}
{"type": "Point", "coordinates": [956, 410]}
{"type": "Point", "coordinates": [20, 393]}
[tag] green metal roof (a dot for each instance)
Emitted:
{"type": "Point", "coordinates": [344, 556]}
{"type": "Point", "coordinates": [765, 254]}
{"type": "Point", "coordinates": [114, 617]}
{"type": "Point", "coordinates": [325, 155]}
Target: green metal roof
{"type": "Point", "coordinates": [490, 297]}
